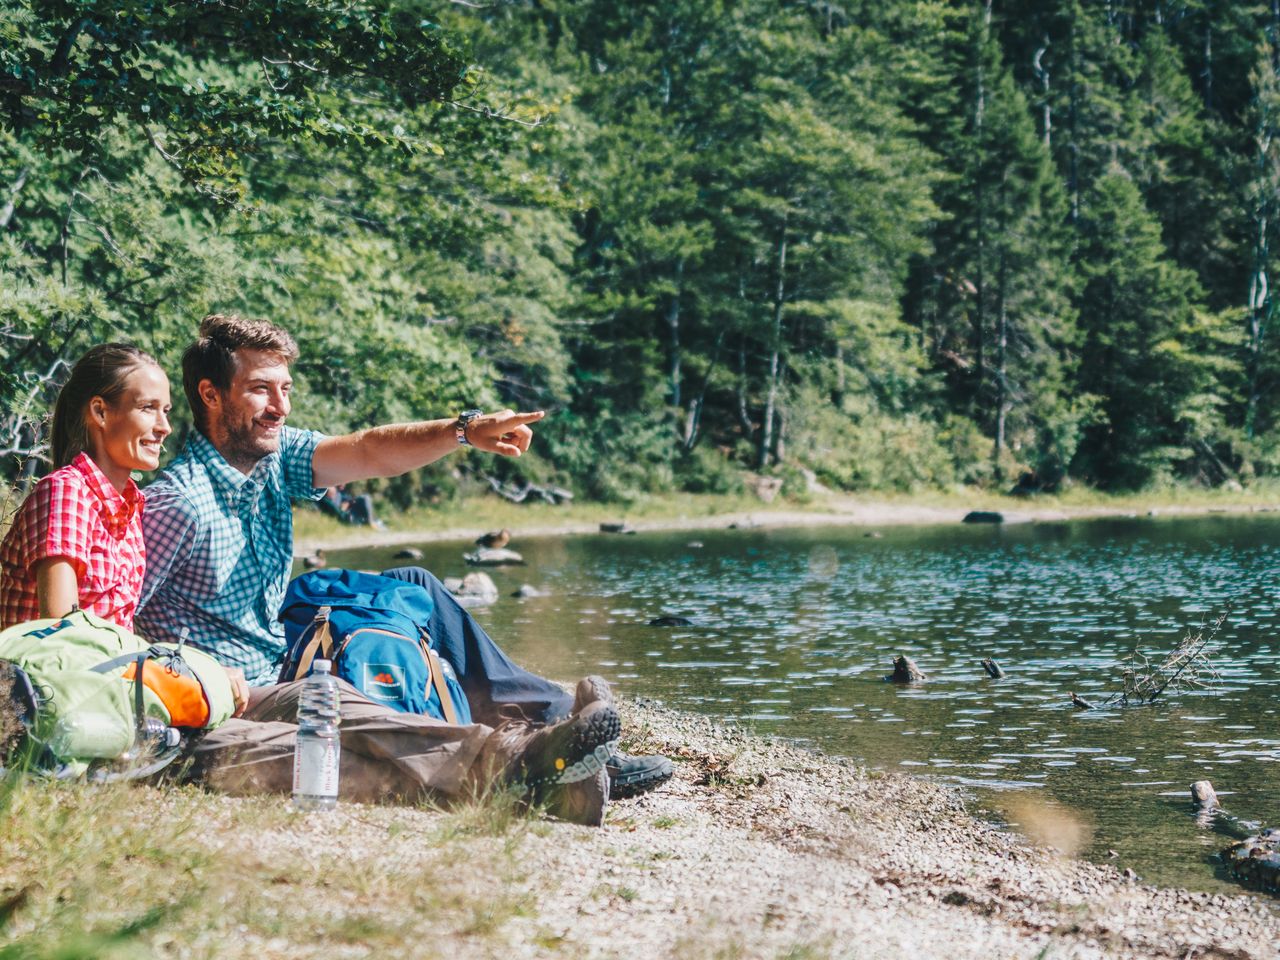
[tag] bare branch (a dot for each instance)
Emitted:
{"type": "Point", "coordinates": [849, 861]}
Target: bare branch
{"type": "Point", "coordinates": [6, 214]}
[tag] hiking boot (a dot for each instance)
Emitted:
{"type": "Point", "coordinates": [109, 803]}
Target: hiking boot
{"type": "Point", "coordinates": [628, 776]}
{"type": "Point", "coordinates": [590, 690]}
{"type": "Point", "coordinates": [583, 802]}
{"type": "Point", "coordinates": [631, 776]}
{"type": "Point", "coordinates": [540, 757]}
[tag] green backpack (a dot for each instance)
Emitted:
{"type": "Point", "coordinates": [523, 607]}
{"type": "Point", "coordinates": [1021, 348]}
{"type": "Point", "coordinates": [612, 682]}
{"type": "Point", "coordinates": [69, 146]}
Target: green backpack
{"type": "Point", "coordinates": [100, 701]}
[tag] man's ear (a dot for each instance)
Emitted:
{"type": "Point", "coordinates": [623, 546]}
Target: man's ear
{"type": "Point", "coordinates": [210, 394]}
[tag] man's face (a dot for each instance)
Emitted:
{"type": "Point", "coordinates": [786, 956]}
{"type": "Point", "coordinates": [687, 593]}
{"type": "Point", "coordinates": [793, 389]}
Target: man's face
{"type": "Point", "coordinates": [245, 419]}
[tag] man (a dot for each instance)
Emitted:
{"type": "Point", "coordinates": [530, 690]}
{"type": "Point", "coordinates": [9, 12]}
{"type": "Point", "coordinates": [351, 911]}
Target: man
{"type": "Point", "coordinates": [219, 535]}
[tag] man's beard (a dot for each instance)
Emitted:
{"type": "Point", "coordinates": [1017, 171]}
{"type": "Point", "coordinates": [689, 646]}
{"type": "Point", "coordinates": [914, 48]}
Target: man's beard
{"type": "Point", "coordinates": [244, 447]}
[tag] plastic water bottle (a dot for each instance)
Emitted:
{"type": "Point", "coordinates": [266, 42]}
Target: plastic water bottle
{"type": "Point", "coordinates": [317, 750]}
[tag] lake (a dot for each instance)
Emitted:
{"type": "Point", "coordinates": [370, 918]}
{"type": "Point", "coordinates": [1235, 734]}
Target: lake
{"type": "Point", "coordinates": [794, 630]}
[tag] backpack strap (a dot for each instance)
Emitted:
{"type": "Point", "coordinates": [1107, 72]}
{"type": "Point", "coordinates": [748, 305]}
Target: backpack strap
{"type": "Point", "coordinates": [321, 639]}
{"type": "Point", "coordinates": [437, 680]}
{"type": "Point", "coordinates": [109, 666]}
{"type": "Point", "coordinates": [139, 708]}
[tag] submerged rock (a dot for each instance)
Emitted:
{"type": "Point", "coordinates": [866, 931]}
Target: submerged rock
{"type": "Point", "coordinates": [983, 516]}
{"type": "Point", "coordinates": [408, 553]}
{"type": "Point", "coordinates": [992, 668]}
{"type": "Point", "coordinates": [487, 557]}
{"type": "Point", "coordinates": [474, 590]}
{"type": "Point", "coordinates": [620, 526]}
{"type": "Point", "coordinates": [1255, 861]}
{"type": "Point", "coordinates": [528, 590]}
{"type": "Point", "coordinates": [669, 621]}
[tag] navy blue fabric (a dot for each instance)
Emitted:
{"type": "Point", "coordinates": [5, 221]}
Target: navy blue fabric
{"type": "Point", "coordinates": [489, 677]}
{"type": "Point", "coordinates": [378, 622]}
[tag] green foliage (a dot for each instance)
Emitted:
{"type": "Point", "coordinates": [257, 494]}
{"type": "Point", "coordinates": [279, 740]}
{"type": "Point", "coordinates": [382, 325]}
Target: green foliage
{"type": "Point", "coordinates": [902, 245]}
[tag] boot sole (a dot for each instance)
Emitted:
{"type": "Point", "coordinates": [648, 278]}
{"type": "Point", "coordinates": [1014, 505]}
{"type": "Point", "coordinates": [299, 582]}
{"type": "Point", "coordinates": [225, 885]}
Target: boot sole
{"type": "Point", "coordinates": [593, 742]}
{"type": "Point", "coordinates": [625, 789]}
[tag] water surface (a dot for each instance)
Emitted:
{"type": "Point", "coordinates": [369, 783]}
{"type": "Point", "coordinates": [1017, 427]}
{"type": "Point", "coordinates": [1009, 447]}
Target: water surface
{"type": "Point", "coordinates": [795, 629]}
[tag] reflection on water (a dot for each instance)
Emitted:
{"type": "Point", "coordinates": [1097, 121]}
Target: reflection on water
{"type": "Point", "coordinates": [794, 630]}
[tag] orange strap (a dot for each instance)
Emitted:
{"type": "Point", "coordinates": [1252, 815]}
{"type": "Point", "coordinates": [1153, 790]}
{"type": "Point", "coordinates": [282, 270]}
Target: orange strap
{"type": "Point", "coordinates": [437, 681]}
{"type": "Point", "coordinates": [320, 640]}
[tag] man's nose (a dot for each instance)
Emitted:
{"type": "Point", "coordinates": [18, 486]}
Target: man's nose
{"type": "Point", "coordinates": [280, 403]}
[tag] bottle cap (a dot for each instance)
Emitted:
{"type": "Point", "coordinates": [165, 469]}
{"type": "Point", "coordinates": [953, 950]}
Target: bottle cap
{"type": "Point", "coordinates": [321, 666]}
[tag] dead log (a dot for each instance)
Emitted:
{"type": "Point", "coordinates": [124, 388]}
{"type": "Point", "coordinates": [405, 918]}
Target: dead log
{"type": "Point", "coordinates": [992, 668]}
{"type": "Point", "coordinates": [905, 671]}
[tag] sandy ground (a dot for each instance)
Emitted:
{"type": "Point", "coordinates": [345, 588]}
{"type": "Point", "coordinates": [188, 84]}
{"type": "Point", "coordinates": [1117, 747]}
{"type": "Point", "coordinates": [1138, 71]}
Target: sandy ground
{"type": "Point", "coordinates": [836, 511]}
{"type": "Point", "coordinates": [759, 849]}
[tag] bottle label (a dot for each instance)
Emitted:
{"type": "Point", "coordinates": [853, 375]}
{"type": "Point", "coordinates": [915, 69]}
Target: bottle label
{"type": "Point", "coordinates": [315, 768]}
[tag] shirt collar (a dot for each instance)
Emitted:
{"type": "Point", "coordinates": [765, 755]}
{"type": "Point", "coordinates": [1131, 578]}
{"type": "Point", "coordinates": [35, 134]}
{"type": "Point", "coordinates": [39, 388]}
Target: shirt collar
{"type": "Point", "coordinates": [228, 482]}
{"type": "Point", "coordinates": [118, 507]}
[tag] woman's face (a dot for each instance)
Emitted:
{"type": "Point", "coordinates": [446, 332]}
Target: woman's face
{"type": "Point", "coordinates": [133, 429]}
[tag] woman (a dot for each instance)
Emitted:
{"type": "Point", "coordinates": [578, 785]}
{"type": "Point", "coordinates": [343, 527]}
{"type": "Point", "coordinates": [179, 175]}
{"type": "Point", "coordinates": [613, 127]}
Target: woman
{"type": "Point", "coordinates": [77, 539]}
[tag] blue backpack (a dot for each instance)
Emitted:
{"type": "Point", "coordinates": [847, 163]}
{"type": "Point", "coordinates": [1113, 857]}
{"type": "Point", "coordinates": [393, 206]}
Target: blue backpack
{"type": "Point", "coordinates": [373, 630]}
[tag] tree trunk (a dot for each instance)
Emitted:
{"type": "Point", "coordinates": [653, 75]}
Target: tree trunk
{"type": "Point", "coordinates": [775, 356]}
{"type": "Point", "coordinates": [1073, 122]}
{"type": "Point", "coordinates": [744, 414]}
{"type": "Point", "coordinates": [673, 326]}
{"type": "Point", "coordinates": [1002, 384]}
{"type": "Point", "coordinates": [980, 297]}
{"type": "Point", "coordinates": [693, 421]}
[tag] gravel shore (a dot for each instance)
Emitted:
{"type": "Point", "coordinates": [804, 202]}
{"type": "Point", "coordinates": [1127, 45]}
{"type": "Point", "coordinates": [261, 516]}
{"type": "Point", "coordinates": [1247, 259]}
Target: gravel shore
{"type": "Point", "coordinates": [831, 511]}
{"type": "Point", "coordinates": [760, 849]}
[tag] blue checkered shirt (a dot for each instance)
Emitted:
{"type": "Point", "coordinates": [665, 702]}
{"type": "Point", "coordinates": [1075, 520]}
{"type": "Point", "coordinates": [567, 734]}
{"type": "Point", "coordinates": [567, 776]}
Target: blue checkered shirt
{"type": "Point", "coordinates": [220, 548]}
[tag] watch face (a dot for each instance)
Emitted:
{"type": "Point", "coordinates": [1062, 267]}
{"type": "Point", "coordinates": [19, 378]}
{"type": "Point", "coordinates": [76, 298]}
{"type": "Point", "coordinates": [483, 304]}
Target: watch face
{"type": "Point", "coordinates": [469, 414]}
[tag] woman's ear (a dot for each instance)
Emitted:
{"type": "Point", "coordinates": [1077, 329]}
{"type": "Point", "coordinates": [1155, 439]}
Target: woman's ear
{"type": "Point", "coordinates": [98, 411]}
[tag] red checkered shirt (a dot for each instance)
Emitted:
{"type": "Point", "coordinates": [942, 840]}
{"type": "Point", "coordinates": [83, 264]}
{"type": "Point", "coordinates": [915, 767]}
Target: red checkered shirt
{"type": "Point", "coordinates": [77, 515]}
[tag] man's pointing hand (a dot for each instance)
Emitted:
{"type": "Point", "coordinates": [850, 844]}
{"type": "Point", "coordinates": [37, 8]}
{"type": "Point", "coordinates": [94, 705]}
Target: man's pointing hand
{"type": "Point", "coordinates": [505, 432]}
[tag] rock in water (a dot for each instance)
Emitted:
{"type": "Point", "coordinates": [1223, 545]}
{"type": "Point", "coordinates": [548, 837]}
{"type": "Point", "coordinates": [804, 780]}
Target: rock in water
{"type": "Point", "coordinates": [1080, 703]}
{"type": "Point", "coordinates": [494, 540]}
{"type": "Point", "coordinates": [408, 553]}
{"type": "Point", "coordinates": [485, 557]}
{"type": "Point", "coordinates": [992, 668]}
{"type": "Point", "coordinates": [617, 527]}
{"type": "Point", "coordinates": [983, 516]}
{"type": "Point", "coordinates": [1202, 792]}
{"type": "Point", "coordinates": [667, 621]}
{"type": "Point", "coordinates": [474, 590]}
{"type": "Point", "coordinates": [905, 671]}
{"type": "Point", "coordinates": [528, 590]}
{"type": "Point", "coordinates": [1255, 861]}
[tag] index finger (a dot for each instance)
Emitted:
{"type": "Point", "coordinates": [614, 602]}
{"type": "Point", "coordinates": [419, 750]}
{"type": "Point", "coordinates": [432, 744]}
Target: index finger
{"type": "Point", "coordinates": [519, 419]}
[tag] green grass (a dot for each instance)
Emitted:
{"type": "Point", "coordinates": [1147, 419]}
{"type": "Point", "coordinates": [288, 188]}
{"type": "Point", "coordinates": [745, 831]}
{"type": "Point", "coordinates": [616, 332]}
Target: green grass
{"type": "Point", "coordinates": [124, 871]}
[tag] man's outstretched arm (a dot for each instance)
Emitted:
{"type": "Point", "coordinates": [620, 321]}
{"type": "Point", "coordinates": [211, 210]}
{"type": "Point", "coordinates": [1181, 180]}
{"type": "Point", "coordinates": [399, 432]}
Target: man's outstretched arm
{"type": "Point", "coordinates": [397, 448]}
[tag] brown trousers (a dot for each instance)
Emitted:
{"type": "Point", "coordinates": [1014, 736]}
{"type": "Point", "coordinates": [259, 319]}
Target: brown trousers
{"type": "Point", "coordinates": [386, 755]}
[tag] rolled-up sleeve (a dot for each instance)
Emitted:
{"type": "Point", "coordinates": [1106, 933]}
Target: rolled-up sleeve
{"type": "Point", "coordinates": [297, 451]}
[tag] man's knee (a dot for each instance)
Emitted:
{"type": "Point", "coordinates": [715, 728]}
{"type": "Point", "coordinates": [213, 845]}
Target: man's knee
{"type": "Point", "coordinates": [419, 575]}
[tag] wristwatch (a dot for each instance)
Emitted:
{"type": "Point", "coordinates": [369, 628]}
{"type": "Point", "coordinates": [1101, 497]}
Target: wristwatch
{"type": "Point", "coordinates": [460, 426]}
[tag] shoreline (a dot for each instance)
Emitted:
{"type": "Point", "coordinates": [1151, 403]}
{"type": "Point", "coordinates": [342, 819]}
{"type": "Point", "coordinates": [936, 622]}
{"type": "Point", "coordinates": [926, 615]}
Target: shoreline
{"type": "Point", "coordinates": [834, 512]}
{"type": "Point", "coordinates": [759, 848]}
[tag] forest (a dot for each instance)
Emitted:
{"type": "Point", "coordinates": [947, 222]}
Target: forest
{"type": "Point", "coordinates": [886, 244]}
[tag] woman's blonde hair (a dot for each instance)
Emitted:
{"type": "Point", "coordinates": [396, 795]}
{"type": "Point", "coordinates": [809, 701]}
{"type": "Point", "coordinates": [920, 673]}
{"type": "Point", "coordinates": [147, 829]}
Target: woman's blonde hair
{"type": "Point", "coordinates": [101, 372]}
